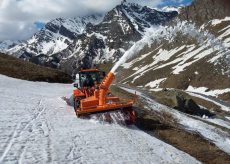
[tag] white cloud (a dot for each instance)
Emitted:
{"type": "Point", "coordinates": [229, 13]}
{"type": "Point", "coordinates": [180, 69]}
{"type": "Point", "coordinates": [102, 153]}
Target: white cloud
{"type": "Point", "coordinates": [17, 17]}
{"type": "Point", "coordinates": [151, 3]}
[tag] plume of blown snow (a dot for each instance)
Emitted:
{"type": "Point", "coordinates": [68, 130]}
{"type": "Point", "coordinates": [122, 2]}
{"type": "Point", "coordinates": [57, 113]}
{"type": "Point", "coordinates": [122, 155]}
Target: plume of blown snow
{"type": "Point", "coordinates": [159, 33]}
{"type": "Point", "coordinates": [137, 47]}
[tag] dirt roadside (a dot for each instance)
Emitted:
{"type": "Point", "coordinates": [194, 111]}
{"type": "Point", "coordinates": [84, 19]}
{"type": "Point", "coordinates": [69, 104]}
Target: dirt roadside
{"type": "Point", "coordinates": [167, 130]}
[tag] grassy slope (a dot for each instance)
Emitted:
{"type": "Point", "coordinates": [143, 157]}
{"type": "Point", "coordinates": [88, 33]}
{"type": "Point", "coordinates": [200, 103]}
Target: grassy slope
{"type": "Point", "coordinates": [13, 67]}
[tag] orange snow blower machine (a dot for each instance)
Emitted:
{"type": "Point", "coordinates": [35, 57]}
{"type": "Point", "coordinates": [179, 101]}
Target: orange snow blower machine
{"type": "Point", "coordinates": [92, 95]}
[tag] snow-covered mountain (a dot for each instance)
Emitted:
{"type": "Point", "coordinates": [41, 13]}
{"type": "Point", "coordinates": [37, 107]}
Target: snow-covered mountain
{"type": "Point", "coordinates": [108, 40]}
{"type": "Point", "coordinates": [73, 43]}
{"type": "Point", "coordinates": [7, 44]}
{"type": "Point", "coordinates": [54, 37]}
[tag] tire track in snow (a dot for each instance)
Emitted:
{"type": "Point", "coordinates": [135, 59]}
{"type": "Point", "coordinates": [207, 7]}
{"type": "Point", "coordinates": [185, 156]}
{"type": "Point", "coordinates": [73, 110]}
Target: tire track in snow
{"type": "Point", "coordinates": [42, 131]}
{"type": "Point", "coordinates": [49, 141]}
{"type": "Point", "coordinates": [77, 148]}
{"type": "Point", "coordinates": [19, 131]}
{"type": "Point", "coordinates": [9, 145]}
{"type": "Point", "coordinates": [31, 122]}
{"type": "Point", "coordinates": [20, 160]}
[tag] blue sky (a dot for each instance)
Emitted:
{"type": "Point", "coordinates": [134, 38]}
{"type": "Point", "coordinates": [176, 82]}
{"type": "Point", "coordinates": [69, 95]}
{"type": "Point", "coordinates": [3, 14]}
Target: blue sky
{"type": "Point", "coordinates": [39, 25]}
{"type": "Point", "coordinates": [175, 2]}
{"type": "Point", "coordinates": [20, 19]}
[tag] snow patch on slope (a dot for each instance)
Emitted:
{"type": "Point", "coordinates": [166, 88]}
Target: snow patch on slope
{"type": "Point", "coordinates": [183, 56]}
{"type": "Point", "coordinates": [155, 84]}
{"type": "Point", "coordinates": [218, 21]}
{"type": "Point", "coordinates": [206, 91]}
{"type": "Point", "coordinates": [169, 9]}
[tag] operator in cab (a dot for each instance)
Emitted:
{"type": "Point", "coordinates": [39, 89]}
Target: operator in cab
{"type": "Point", "coordinates": [88, 81]}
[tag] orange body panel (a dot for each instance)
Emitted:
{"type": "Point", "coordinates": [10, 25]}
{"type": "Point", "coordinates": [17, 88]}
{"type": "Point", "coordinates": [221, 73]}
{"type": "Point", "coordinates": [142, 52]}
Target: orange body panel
{"type": "Point", "coordinates": [106, 107]}
{"type": "Point", "coordinates": [78, 93]}
{"type": "Point", "coordinates": [92, 102]}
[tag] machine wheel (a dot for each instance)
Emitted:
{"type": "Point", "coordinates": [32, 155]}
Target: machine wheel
{"type": "Point", "coordinates": [77, 102]}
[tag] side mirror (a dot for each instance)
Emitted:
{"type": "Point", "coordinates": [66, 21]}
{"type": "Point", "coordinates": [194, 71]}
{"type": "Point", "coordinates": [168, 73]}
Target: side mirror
{"type": "Point", "coordinates": [75, 85]}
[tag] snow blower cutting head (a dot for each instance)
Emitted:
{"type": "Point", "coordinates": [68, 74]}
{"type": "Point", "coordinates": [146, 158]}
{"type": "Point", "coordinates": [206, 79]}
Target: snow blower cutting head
{"type": "Point", "coordinates": [93, 96]}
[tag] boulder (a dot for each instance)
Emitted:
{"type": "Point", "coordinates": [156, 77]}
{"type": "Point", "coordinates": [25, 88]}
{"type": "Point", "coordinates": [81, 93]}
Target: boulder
{"type": "Point", "coordinates": [191, 107]}
{"type": "Point", "coordinates": [185, 104]}
{"type": "Point", "coordinates": [178, 102]}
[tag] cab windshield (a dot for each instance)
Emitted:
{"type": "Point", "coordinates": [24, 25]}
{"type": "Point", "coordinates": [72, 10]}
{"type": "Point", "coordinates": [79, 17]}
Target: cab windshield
{"type": "Point", "coordinates": [88, 79]}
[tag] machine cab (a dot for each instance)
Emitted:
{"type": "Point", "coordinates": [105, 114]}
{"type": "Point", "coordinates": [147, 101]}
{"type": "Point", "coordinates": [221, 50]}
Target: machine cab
{"type": "Point", "coordinates": [88, 78]}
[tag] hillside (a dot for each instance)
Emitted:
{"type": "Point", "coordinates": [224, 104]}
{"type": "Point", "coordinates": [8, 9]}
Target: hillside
{"type": "Point", "coordinates": [14, 67]}
{"type": "Point", "coordinates": [184, 55]}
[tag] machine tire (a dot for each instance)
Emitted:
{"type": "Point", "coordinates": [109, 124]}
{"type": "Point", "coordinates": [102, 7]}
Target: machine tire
{"type": "Point", "coordinates": [77, 102]}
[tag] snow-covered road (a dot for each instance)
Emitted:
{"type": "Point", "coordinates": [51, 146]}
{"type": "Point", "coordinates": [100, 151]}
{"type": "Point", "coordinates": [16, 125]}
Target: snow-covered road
{"type": "Point", "coordinates": [36, 126]}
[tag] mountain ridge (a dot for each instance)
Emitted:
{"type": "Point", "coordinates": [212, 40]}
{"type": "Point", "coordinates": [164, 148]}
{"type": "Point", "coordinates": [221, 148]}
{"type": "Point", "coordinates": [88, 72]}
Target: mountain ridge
{"type": "Point", "coordinates": [104, 39]}
{"type": "Point", "coordinates": [184, 54]}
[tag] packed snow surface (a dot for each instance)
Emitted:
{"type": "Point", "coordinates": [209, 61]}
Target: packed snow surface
{"type": "Point", "coordinates": [36, 126]}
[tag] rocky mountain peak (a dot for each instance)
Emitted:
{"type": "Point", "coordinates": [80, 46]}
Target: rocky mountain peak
{"type": "Point", "coordinates": [108, 40]}
{"type": "Point", "coordinates": [201, 11]}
